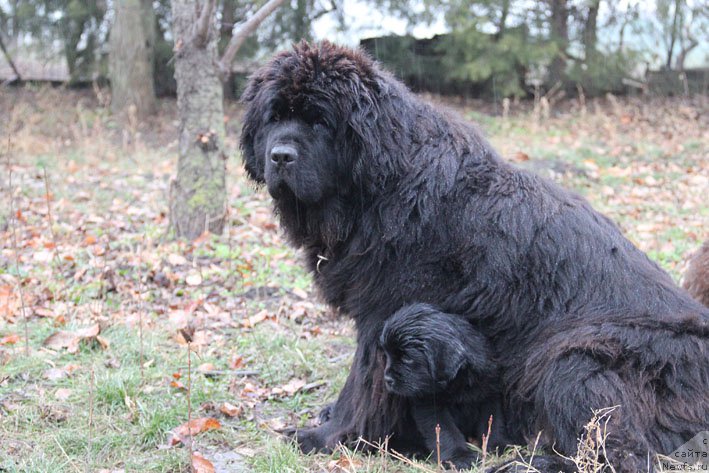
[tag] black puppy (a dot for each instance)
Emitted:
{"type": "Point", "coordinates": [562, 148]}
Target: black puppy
{"type": "Point", "coordinates": [447, 370]}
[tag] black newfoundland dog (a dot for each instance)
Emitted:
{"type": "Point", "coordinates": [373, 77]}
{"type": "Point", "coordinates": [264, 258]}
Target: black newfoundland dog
{"type": "Point", "coordinates": [395, 203]}
{"type": "Point", "coordinates": [448, 371]}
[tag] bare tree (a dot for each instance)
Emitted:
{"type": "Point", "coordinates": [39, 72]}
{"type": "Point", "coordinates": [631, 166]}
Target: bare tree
{"type": "Point", "coordinates": [198, 193]}
{"type": "Point", "coordinates": [131, 58]}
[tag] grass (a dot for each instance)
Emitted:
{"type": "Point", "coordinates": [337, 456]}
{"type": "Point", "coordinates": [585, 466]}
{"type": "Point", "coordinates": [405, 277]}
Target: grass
{"type": "Point", "coordinates": [245, 292]}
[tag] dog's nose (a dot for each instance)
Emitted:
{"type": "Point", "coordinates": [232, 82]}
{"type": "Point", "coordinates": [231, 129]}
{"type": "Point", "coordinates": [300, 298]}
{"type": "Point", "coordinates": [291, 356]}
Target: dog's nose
{"type": "Point", "coordinates": [283, 154]}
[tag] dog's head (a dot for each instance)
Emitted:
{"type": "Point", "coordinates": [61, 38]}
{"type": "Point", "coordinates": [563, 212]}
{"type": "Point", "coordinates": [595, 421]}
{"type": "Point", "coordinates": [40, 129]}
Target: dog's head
{"type": "Point", "coordinates": [425, 349]}
{"type": "Point", "coordinates": [297, 130]}
{"type": "Point", "coordinates": [320, 132]}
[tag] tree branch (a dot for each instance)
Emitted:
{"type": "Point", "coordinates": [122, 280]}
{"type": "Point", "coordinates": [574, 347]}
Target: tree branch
{"type": "Point", "coordinates": [9, 60]}
{"type": "Point", "coordinates": [203, 22]}
{"type": "Point", "coordinates": [249, 26]}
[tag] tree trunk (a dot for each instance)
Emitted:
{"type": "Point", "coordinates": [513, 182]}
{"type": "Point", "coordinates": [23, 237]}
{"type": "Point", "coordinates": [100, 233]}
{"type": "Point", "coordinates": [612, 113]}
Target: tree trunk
{"type": "Point", "coordinates": [502, 26]}
{"type": "Point", "coordinates": [130, 59]}
{"type": "Point", "coordinates": [198, 194]}
{"type": "Point", "coordinates": [590, 33]}
{"type": "Point", "coordinates": [560, 36]}
{"type": "Point", "coordinates": [226, 31]}
{"type": "Point", "coordinates": [673, 34]}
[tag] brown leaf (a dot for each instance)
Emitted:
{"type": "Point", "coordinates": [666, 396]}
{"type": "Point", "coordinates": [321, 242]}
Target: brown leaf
{"type": "Point", "coordinates": [343, 465]}
{"type": "Point", "coordinates": [290, 388]}
{"type": "Point", "coordinates": [206, 367]}
{"type": "Point", "coordinates": [230, 410]}
{"type": "Point", "coordinates": [62, 394]}
{"type": "Point", "coordinates": [9, 339]}
{"type": "Point", "coordinates": [521, 156]}
{"type": "Point", "coordinates": [236, 362]}
{"type": "Point", "coordinates": [193, 427]}
{"type": "Point", "coordinates": [54, 374]}
{"type": "Point", "coordinates": [71, 340]}
{"type": "Point", "coordinates": [201, 464]}
{"type": "Point", "coordinates": [255, 319]}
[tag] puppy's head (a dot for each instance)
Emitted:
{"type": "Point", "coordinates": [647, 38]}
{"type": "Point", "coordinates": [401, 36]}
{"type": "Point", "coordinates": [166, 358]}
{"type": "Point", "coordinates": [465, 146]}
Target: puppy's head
{"type": "Point", "coordinates": [424, 350]}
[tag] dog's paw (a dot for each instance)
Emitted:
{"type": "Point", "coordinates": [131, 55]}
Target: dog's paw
{"type": "Point", "coordinates": [462, 460]}
{"type": "Point", "coordinates": [326, 413]}
{"type": "Point", "coordinates": [309, 440]}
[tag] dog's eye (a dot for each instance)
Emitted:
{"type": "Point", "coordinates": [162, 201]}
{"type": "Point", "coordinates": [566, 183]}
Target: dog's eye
{"type": "Point", "coordinates": [318, 122]}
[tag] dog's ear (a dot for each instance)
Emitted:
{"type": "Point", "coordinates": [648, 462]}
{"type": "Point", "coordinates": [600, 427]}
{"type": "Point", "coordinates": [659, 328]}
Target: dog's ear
{"type": "Point", "coordinates": [448, 358]}
{"type": "Point", "coordinates": [253, 119]}
{"type": "Point", "coordinates": [372, 126]}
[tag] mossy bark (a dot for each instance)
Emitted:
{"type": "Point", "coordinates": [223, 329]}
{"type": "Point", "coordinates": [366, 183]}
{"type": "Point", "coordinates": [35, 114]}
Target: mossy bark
{"type": "Point", "coordinates": [198, 193]}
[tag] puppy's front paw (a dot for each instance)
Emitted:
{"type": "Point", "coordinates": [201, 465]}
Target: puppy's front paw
{"type": "Point", "coordinates": [309, 440]}
{"type": "Point", "coordinates": [462, 460]}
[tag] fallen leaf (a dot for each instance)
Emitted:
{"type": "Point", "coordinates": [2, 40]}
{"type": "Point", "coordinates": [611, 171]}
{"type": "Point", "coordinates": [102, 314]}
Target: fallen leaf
{"type": "Point", "coordinates": [71, 340]}
{"type": "Point", "coordinates": [193, 427]}
{"type": "Point", "coordinates": [201, 464]}
{"type": "Point", "coordinates": [176, 260]}
{"type": "Point", "coordinates": [255, 319]}
{"type": "Point", "coordinates": [290, 388]}
{"type": "Point", "coordinates": [521, 156]}
{"type": "Point", "coordinates": [62, 394]}
{"type": "Point", "coordinates": [9, 339]}
{"type": "Point", "coordinates": [54, 374]}
{"type": "Point", "coordinates": [206, 367]}
{"type": "Point", "coordinates": [343, 465]}
{"type": "Point", "coordinates": [177, 385]}
{"type": "Point", "coordinates": [230, 410]}
{"type": "Point", "coordinates": [193, 279]}
{"type": "Point", "coordinates": [236, 362]}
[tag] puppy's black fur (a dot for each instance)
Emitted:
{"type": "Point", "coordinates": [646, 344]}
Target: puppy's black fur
{"type": "Point", "coordinates": [394, 202]}
{"type": "Point", "coordinates": [446, 368]}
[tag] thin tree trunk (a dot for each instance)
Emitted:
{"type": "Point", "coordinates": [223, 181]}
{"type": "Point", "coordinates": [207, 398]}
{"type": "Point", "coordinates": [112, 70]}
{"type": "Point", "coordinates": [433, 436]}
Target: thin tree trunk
{"type": "Point", "coordinates": [502, 27]}
{"type": "Point", "coordinates": [673, 34]}
{"type": "Point", "coordinates": [226, 30]}
{"type": "Point", "coordinates": [130, 60]}
{"type": "Point", "coordinates": [590, 33]}
{"type": "Point", "coordinates": [9, 60]}
{"type": "Point", "coordinates": [198, 194]}
{"type": "Point", "coordinates": [560, 36]}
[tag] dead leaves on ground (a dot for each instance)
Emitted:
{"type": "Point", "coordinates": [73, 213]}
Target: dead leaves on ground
{"type": "Point", "coordinates": [72, 340]}
{"type": "Point", "coordinates": [184, 432]}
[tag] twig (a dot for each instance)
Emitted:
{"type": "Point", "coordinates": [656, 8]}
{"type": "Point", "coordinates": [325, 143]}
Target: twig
{"type": "Point", "coordinates": [396, 455]}
{"type": "Point", "coordinates": [189, 400]}
{"type": "Point", "coordinates": [68, 458]}
{"type": "Point", "coordinates": [9, 60]}
{"type": "Point", "coordinates": [141, 309]}
{"type": "Point", "coordinates": [438, 447]}
{"type": "Point", "coordinates": [486, 438]}
{"type": "Point", "coordinates": [50, 221]}
{"type": "Point", "coordinates": [89, 442]}
{"type": "Point", "coordinates": [244, 373]}
{"type": "Point", "coordinates": [237, 40]}
{"type": "Point", "coordinates": [13, 222]}
{"type": "Point", "coordinates": [203, 22]}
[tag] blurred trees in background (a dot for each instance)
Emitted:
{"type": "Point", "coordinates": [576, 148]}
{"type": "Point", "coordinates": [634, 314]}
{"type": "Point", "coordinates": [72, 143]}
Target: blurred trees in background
{"type": "Point", "coordinates": [131, 46]}
{"type": "Point", "coordinates": [494, 48]}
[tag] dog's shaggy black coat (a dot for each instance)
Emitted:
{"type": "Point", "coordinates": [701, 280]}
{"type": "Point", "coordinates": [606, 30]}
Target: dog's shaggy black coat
{"type": "Point", "coordinates": [446, 369]}
{"type": "Point", "coordinates": [394, 202]}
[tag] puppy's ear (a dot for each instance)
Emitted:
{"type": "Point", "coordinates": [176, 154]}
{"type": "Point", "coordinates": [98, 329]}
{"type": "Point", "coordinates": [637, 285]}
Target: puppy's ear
{"type": "Point", "coordinates": [448, 358]}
